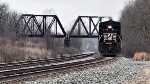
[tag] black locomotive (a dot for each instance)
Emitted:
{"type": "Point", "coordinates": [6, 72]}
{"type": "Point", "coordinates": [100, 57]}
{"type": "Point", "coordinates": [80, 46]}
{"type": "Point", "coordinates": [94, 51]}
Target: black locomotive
{"type": "Point", "coordinates": [110, 38]}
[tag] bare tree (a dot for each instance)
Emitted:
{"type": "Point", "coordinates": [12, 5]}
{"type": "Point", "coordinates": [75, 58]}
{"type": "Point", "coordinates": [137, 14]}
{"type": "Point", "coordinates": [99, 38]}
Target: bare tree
{"type": "Point", "coordinates": [135, 21]}
{"type": "Point", "coordinates": [7, 21]}
{"type": "Point", "coordinates": [3, 18]}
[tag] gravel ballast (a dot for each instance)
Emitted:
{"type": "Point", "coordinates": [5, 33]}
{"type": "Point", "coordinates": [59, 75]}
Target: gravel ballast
{"type": "Point", "coordinates": [122, 71]}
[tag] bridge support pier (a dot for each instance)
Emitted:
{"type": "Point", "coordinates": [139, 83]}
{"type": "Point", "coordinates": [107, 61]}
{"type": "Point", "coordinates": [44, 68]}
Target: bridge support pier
{"type": "Point", "coordinates": [67, 41]}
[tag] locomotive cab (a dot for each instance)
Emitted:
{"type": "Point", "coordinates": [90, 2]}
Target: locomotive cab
{"type": "Point", "coordinates": [109, 38]}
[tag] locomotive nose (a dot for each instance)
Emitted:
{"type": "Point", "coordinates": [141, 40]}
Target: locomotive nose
{"type": "Point", "coordinates": [110, 40]}
{"type": "Point", "coordinates": [110, 50]}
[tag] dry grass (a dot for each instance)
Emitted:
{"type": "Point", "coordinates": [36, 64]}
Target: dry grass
{"type": "Point", "coordinates": [141, 56]}
{"type": "Point", "coordinates": [21, 50]}
{"type": "Point", "coordinates": [29, 49]}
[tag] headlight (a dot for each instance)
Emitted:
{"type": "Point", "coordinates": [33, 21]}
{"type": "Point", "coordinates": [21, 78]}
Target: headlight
{"type": "Point", "coordinates": [109, 27]}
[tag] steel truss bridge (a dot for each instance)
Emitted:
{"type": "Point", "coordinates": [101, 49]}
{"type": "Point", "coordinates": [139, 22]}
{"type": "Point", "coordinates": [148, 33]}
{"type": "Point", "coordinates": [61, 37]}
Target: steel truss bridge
{"type": "Point", "coordinates": [30, 25]}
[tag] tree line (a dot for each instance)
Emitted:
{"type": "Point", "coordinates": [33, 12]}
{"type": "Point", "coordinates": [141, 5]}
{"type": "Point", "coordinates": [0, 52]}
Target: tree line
{"type": "Point", "coordinates": [8, 19]}
{"type": "Point", "coordinates": [135, 20]}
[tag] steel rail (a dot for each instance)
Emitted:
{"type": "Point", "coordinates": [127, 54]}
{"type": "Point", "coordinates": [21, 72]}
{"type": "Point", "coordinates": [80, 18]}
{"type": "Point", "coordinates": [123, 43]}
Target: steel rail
{"type": "Point", "coordinates": [22, 64]}
{"type": "Point", "coordinates": [53, 67]}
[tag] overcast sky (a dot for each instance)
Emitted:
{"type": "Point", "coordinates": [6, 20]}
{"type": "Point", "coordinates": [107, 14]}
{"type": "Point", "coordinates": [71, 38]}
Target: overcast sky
{"type": "Point", "coordinates": [68, 10]}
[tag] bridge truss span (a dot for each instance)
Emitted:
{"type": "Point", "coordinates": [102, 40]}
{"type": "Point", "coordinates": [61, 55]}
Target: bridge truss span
{"type": "Point", "coordinates": [85, 27]}
{"type": "Point", "coordinates": [30, 25]}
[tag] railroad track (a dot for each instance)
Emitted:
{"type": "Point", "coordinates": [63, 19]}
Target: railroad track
{"type": "Point", "coordinates": [32, 63]}
{"type": "Point", "coordinates": [51, 67]}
